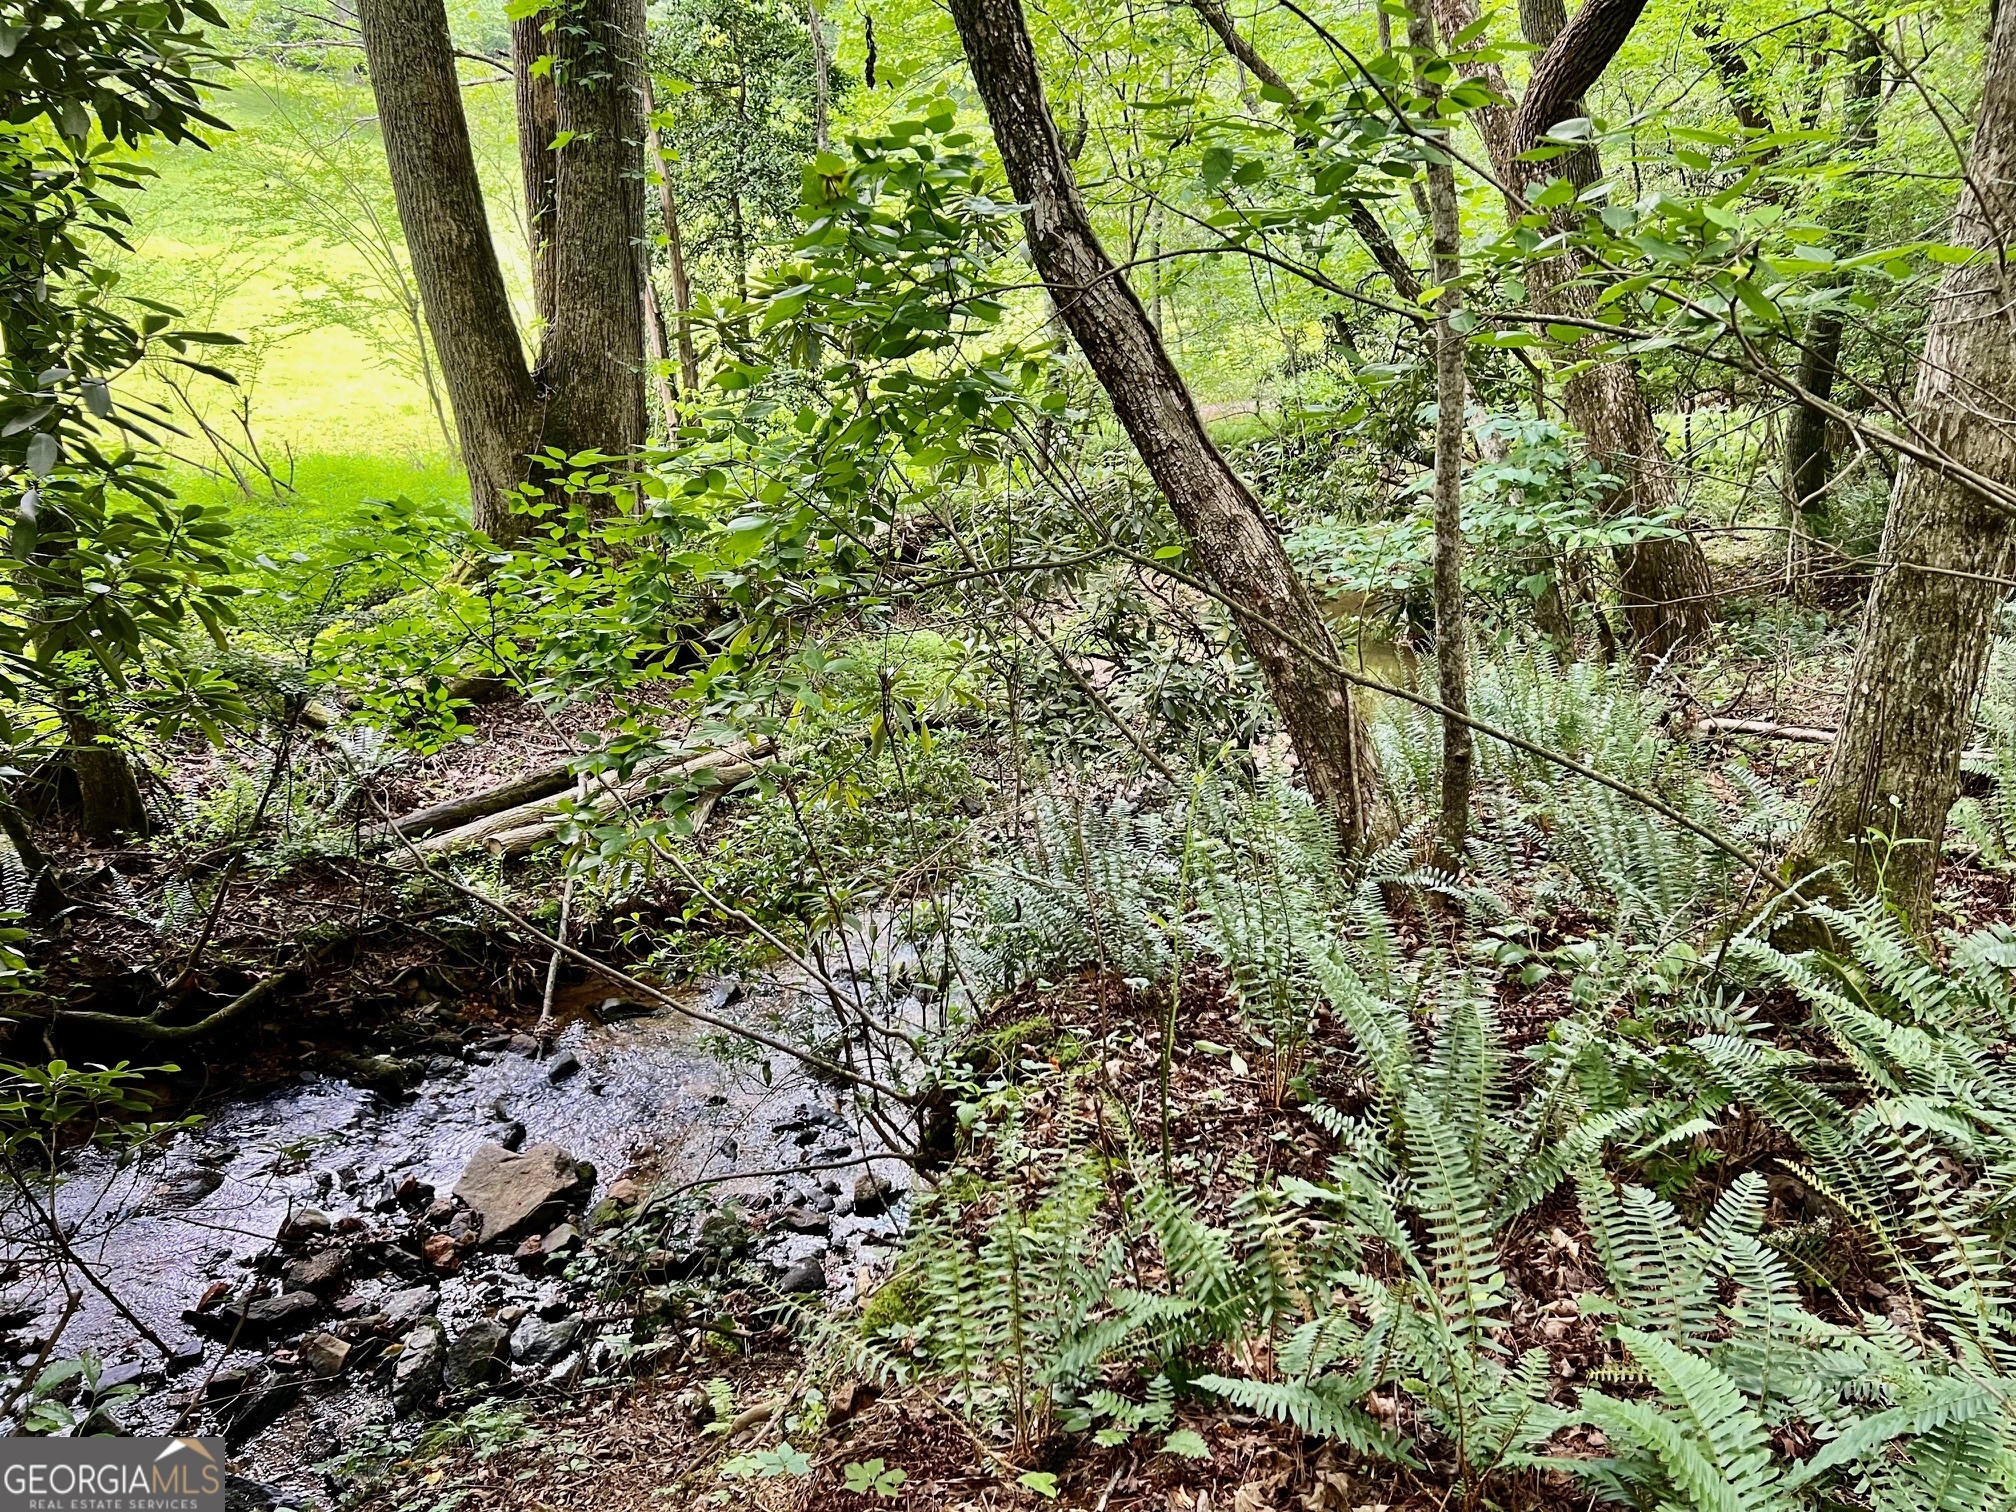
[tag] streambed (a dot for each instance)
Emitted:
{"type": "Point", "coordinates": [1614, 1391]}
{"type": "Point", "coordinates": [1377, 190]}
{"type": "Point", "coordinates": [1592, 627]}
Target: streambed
{"type": "Point", "coordinates": [367, 1160]}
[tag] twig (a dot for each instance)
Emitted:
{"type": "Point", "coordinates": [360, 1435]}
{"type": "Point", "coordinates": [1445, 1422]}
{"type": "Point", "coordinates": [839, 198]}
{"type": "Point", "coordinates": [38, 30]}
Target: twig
{"type": "Point", "coordinates": [71, 1302]}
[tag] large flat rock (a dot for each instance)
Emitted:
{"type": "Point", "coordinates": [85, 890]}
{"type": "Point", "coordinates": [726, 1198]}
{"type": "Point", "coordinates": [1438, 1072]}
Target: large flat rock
{"type": "Point", "coordinates": [512, 1190]}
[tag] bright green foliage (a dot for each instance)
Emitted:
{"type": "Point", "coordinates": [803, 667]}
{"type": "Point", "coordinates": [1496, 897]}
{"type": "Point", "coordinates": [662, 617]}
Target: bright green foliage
{"type": "Point", "coordinates": [102, 561]}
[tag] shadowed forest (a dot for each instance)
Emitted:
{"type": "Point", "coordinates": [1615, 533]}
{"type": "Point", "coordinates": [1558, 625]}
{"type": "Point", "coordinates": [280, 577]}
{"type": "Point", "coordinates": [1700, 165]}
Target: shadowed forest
{"type": "Point", "coordinates": [1238, 756]}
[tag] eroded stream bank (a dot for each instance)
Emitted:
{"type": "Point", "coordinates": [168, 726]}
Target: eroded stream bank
{"type": "Point", "coordinates": [415, 1234]}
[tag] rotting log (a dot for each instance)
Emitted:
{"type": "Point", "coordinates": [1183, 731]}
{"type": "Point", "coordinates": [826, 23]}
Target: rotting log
{"type": "Point", "coordinates": [544, 813]}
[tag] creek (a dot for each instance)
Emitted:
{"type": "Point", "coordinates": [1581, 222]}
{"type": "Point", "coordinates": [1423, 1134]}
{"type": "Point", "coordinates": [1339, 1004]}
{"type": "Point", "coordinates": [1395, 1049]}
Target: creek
{"type": "Point", "coordinates": [359, 1167]}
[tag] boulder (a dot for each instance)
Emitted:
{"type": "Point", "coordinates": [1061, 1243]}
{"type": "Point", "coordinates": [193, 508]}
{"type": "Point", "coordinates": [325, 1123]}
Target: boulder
{"type": "Point", "coordinates": [805, 1220]}
{"type": "Point", "coordinates": [416, 1378]}
{"type": "Point", "coordinates": [510, 1192]}
{"type": "Point", "coordinates": [475, 1355]}
{"type": "Point", "coordinates": [309, 1223]}
{"type": "Point", "coordinates": [537, 1342]}
{"type": "Point", "coordinates": [186, 1187]}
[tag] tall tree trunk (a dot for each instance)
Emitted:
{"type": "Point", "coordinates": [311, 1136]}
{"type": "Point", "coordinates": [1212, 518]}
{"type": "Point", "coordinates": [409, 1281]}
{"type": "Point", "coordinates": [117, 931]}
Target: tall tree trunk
{"type": "Point", "coordinates": [654, 347]}
{"type": "Point", "coordinates": [1926, 634]}
{"type": "Point", "coordinates": [1452, 626]}
{"type": "Point", "coordinates": [538, 125]}
{"type": "Point", "coordinates": [822, 64]}
{"type": "Point", "coordinates": [1809, 463]}
{"type": "Point", "coordinates": [1236, 545]}
{"type": "Point", "coordinates": [591, 365]}
{"type": "Point", "coordinates": [1664, 583]}
{"type": "Point", "coordinates": [675, 248]}
{"type": "Point", "coordinates": [440, 201]}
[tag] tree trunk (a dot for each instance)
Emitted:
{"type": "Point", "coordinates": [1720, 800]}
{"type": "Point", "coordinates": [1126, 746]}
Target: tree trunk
{"type": "Point", "coordinates": [538, 125]}
{"type": "Point", "coordinates": [1235, 544]}
{"type": "Point", "coordinates": [1452, 626]}
{"type": "Point", "coordinates": [440, 201]}
{"type": "Point", "coordinates": [822, 88]}
{"type": "Point", "coordinates": [675, 249]}
{"type": "Point", "coordinates": [1664, 583]}
{"type": "Point", "coordinates": [107, 793]}
{"type": "Point", "coordinates": [1809, 463]}
{"type": "Point", "coordinates": [1926, 634]}
{"type": "Point", "coordinates": [591, 365]}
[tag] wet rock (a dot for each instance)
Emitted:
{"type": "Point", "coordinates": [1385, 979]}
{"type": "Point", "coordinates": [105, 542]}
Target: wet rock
{"type": "Point", "coordinates": [256, 1410]}
{"type": "Point", "coordinates": [537, 1342]}
{"type": "Point", "coordinates": [413, 1193]}
{"type": "Point", "coordinates": [323, 1355]}
{"type": "Point", "coordinates": [804, 1220]}
{"type": "Point", "coordinates": [385, 1074]}
{"type": "Point", "coordinates": [873, 1194]}
{"type": "Point", "coordinates": [405, 1308]}
{"type": "Point", "coordinates": [186, 1187]}
{"type": "Point", "coordinates": [510, 1134]}
{"type": "Point", "coordinates": [615, 1008]}
{"type": "Point", "coordinates": [142, 1373]}
{"type": "Point", "coordinates": [416, 1378]}
{"type": "Point", "coordinates": [510, 1192]}
{"type": "Point", "coordinates": [309, 1223]}
{"type": "Point", "coordinates": [807, 1276]}
{"type": "Point", "coordinates": [268, 1318]}
{"type": "Point", "coordinates": [439, 1211]}
{"type": "Point", "coordinates": [567, 1373]}
{"type": "Point", "coordinates": [530, 1256]}
{"type": "Point", "coordinates": [187, 1356]}
{"type": "Point", "coordinates": [243, 1494]}
{"type": "Point", "coordinates": [321, 1273]}
{"type": "Point", "coordinates": [561, 1241]}
{"type": "Point", "coordinates": [441, 1254]}
{"type": "Point", "coordinates": [475, 1356]}
{"type": "Point", "coordinates": [523, 1044]}
{"type": "Point", "coordinates": [562, 1066]}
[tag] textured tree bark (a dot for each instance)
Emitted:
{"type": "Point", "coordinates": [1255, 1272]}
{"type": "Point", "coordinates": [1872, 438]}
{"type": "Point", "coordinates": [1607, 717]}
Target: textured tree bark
{"type": "Point", "coordinates": [591, 364]}
{"type": "Point", "coordinates": [537, 126]}
{"type": "Point", "coordinates": [1234, 542]}
{"type": "Point", "coordinates": [675, 250]}
{"type": "Point", "coordinates": [1452, 622]}
{"type": "Point", "coordinates": [108, 795]}
{"type": "Point", "coordinates": [1664, 583]}
{"type": "Point", "coordinates": [1809, 462]}
{"type": "Point", "coordinates": [440, 199]}
{"type": "Point", "coordinates": [1926, 634]}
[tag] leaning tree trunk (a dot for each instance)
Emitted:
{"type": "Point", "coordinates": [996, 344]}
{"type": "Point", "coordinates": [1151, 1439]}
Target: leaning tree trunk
{"type": "Point", "coordinates": [1809, 462]}
{"type": "Point", "coordinates": [1234, 542]}
{"type": "Point", "coordinates": [1882, 806]}
{"type": "Point", "coordinates": [591, 364]}
{"type": "Point", "coordinates": [675, 248]}
{"type": "Point", "coordinates": [440, 199]}
{"type": "Point", "coordinates": [1664, 583]}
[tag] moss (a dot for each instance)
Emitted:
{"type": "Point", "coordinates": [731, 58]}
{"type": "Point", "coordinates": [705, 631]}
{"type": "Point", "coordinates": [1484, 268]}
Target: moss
{"type": "Point", "coordinates": [894, 1305]}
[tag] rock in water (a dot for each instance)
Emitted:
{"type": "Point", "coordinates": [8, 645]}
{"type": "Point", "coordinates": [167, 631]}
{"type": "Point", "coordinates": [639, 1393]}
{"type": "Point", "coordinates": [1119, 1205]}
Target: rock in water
{"type": "Point", "coordinates": [873, 1194]}
{"type": "Point", "coordinates": [536, 1342]}
{"type": "Point", "coordinates": [510, 1191]}
{"type": "Point", "coordinates": [807, 1276]}
{"type": "Point", "coordinates": [404, 1309]}
{"type": "Point", "coordinates": [475, 1355]}
{"type": "Point", "coordinates": [315, 1273]}
{"type": "Point", "coordinates": [416, 1379]}
{"type": "Point", "coordinates": [324, 1354]}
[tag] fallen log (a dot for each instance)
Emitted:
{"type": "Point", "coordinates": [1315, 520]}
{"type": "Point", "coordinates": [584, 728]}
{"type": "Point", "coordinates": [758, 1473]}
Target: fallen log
{"type": "Point", "coordinates": [1770, 729]}
{"type": "Point", "coordinates": [520, 841]}
{"type": "Point", "coordinates": [154, 1027]}
{"type": "Point", "coordinates": [454, 812]}
{"type": "Point", "coordinates": [544, 813]}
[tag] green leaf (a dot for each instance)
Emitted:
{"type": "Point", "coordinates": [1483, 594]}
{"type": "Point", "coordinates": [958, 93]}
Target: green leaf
{"type": "Point", "coordinates": [1187, 1442]}
{"type": "Point", "coordinates": [1042, 1482]}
